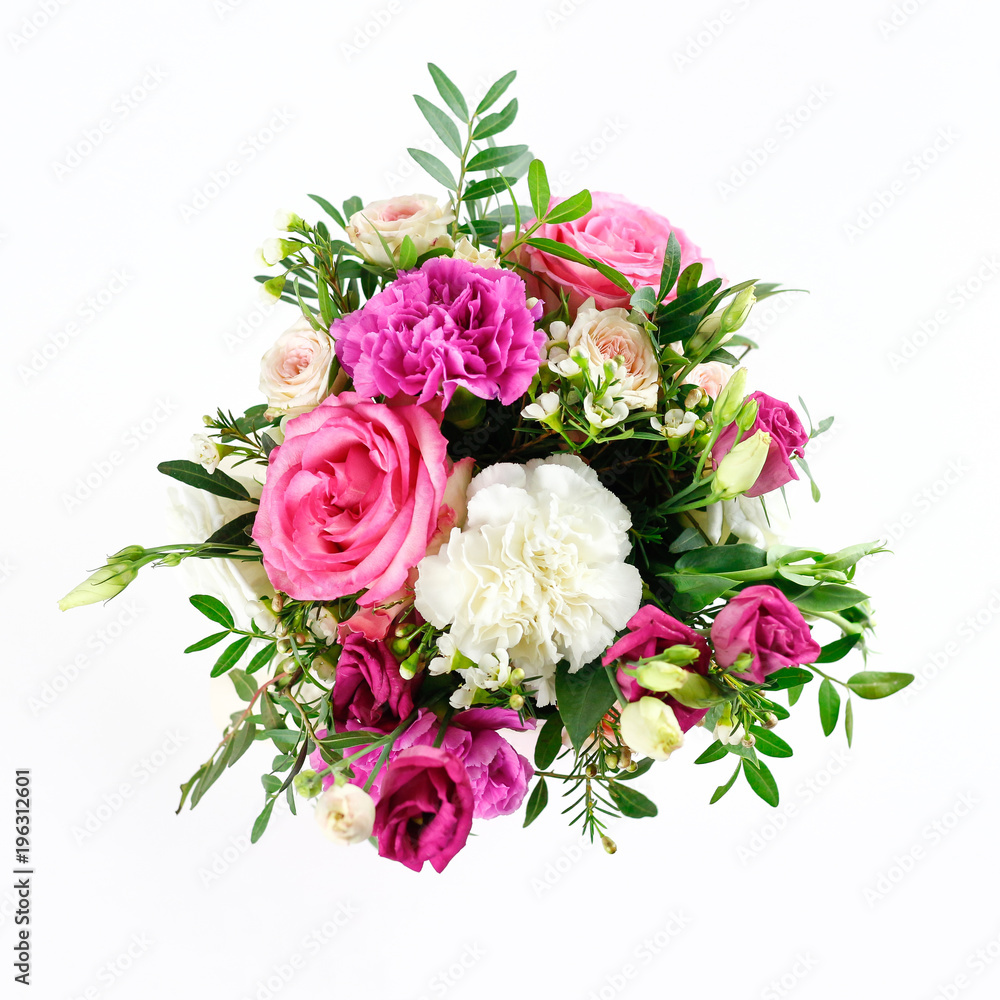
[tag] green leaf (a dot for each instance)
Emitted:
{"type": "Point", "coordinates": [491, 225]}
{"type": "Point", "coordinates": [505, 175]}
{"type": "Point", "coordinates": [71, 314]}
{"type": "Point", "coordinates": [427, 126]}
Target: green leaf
{"type": "Point", "coordinates": [329, 209]}
{"type": "Point", "coordinates": [573, 207]}
{"type": "Point", "coordinates": [495, 156]}
{"type": "Point", "coordinates": [282, 738]}
{"type": "Point", "coordinates": [644, 299]}
{"type": "Point", "coordinates": [537, 801]}
{"type": "Point", "coordinates": [829, 597]}
{"type": "Point", "coordinates": [260, 823]}
{"type": "Point", "coordinates": [769, 743]}
{"type": "Point", "coordinates": [444, 127]}
{"type": "Point", "coordinates": [271, 783]}
{"type": "Point", "coordinates": [722, 789]}
{"type": "Point", "coordinates": [584, 698]}
{"type": "Point", "coordinates": [234, 532]}
{"type": "Point", "coordinates": [494, 124]}
{"type": "Point", "coordinates": [762, 781]}
{"type": "Point", "coordinates": [549, 742]}
{"type": "Point", "coordinates": [261, 658]}
{"type": "Point", "coordinates": [838, 649]}
{"type": "Point", "coordinates": [668, 275]}
{"type": "Point", "coordinates": [209, 640]}
{"type": "Point", "coordinates": [794, 693]}
{"type": "Point", "coordinates": [188, 785]}
{"type": "Point", "coordinates": [270, 715]}
{"type": "Point", "coordinates": [631, 802]}
{"type": "Point", "coordinates": [211, 775]}
{"type": "Point", "coordinates": [407, 254]}
{"type": "Point", "coordinates": [242, 741]}
{"type": "Point", "coordinates": [450, 94]}
{"type": "Point", "coordinates": [434, 167]}
{"type": "Point", "coordinates": [849, 721]}
{"type": "Point", "coordinates": [641, 768]}
{"type": "Point", "coordinates": [538, 188]}
{"type": "Point", "coordinates": [873, 684]}
{"type": "Point", "coordinates": [788, 677]}
{"type": "Point", "coordinates": [696, 592]}
{"type": "Point", "coordinates": [192, 474]}
{"type": "Point", "coordinates": [231, 655]}
{"type": "Point", "coordinates": [244, 686]}
{"type": "Point", "coordinates": [213, 608]}
{"type": "Point", "coordinates": [715, 752]}
{"type": "Point", "coordinates": [829, 706]}
{"type": "Point", "coordinates": [688, 280]}
{"type": "Point", "coordinates": [495, 92]}
{"type": "Point", "coordinates": [721, 559]}
{"type": "Point", "coordinates": [486, 188]}
{"type": "Point", "coordinates": [352, 206]}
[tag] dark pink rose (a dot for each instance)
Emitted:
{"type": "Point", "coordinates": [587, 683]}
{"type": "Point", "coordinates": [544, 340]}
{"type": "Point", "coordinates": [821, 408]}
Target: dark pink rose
{"type": "Point", "coordinates": [761, 621]}
{"type": "Point", "coordinates": [424, 811]}
{"type": "Point", "coordinates": [353, 497]}
{"type": "Point", "coordinates": [630, 238]}
{"type": "Point", "coordinates": [788, 438]}
{"type": "Point", "coordinates": [651, 631]}
{"type": "Point", "coordinates": [369, 692]}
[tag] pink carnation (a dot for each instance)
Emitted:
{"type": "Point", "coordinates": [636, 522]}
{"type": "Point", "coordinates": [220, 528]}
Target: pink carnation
{"type": "Point", "coordinates": [446, 324]}
{"type": "Point", "coordinates": [353, 497]}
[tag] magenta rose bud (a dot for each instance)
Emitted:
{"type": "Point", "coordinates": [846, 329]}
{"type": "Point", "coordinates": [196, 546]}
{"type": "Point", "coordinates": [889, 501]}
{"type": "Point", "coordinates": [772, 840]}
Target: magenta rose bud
{"type": "Point", "coordinates": [761, 621]}
{"type": "Point", "coordinates": [425, 806]}
{"type": "Point", "coordinates": [352, 498]}
{"type": "Point", "coordinates": [628, 237]}
{"type": "Point", "coordinates": [650, 632]}
{"type": "Point", "coordinates": [445, 324]}
{"type": "Point", "coordinates": [369, 693]}
{"type": "Point", "coordinates": [788, 438]}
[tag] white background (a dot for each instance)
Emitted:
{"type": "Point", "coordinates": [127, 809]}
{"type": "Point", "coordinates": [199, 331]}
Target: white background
{"type": "Point", "coordinates": [877, 875]}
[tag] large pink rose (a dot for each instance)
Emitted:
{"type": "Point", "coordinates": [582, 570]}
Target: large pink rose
{"type": "Point", "coordinates": [353, 497]}
{"type": "Point", "coordinates": [650, 632]}
{"type": "Point", "coordinates": [761, 621]}
{"type": "Point", "coordinates": [788, 438]}
{"type": "Point", "coordinates": [616, 232]}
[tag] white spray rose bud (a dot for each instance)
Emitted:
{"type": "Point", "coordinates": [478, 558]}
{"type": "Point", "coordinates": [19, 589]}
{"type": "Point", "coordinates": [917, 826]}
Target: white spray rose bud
{"type": "Point", "coordinates": [418, 216]}
{"type": "Point", "coordinates": [206, 452]}
{"type": "Point", "coordinates": [295, 372]}
{"type": "Point", "coordinates": [346, 814]}
{"type": "Point", "coordinates": [464, 250]}
{"type": "Point", "coordinates": [650, 728]}
{"type": "Point", "coordinates": [739, 469]}
{"type": "Point", "coordinates": [274, 250]}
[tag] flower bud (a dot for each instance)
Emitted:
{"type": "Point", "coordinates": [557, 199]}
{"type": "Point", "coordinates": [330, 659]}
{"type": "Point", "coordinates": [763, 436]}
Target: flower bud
{"type": "Point", "coordinates": [287, 222]}
{"type": "Point", "coordinates": [410, 666]}
{"type": "Point", "coordinates": [650, 728]}
{"type": "Point", "coordinates": [590, 771]}
{"type": "Point", "coordinates": [611, 761]}
{"type": "Point", "coordinates": [608, 844]}
{"type": "Point", "coordinates": [346, 814]}
{"type": "Point", "coordinates": [308, 784]}
{"type": "Point", "coordinates": [747, 415]}
{"type": "Point", "coordinates": [659, 675]}
{"type": "Point", "coordinates": [131, 553]}
{"type": "Point", "coordinates": [736, 312]}
{"type": "Point", "coordinates": [270, 290]}
{"type": "Point", "coordinates": [516, 702]}
{"type": "Point", "coordinates": [275, 250]}
{"type": "Point", "coordinates": [626, 757]}
{"type": "Point", "coordinates": [465, 410]}
{"type": "Point", "coordinates": [516, 676]}
{"type": "Point", "coordinates": [707, 330]}
{"type": "Point", "coordinates": [729, 402]}
{"type": "Point", "coordinates": [696, 692]}
{"type": "Point", "coordinates": [324, 668]}
{"type": "Point", "coordinates": [739, 469]}
{"type": "Point", "coordinates": [748, 741]}
{"type": "Point", "coordinates": [693, 398]}
{"type": "Point", "coordinates": [400, 648]}
{"type": "Point", "coordinates": [105, 583]}
{"type": "Point", "coordinates": [770, 720]}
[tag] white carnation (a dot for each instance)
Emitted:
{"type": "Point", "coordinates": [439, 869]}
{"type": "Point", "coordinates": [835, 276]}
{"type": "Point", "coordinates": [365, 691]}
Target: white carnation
{"type": "Point", "coordinates": [539, 571]}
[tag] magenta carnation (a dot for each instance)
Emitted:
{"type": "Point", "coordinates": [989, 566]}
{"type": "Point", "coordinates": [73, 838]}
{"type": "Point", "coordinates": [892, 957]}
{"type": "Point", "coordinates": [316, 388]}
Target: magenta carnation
{"type": "Point", "coordinates": [650, 632]}
{"type": "Point", "coordinates": [445, 324]}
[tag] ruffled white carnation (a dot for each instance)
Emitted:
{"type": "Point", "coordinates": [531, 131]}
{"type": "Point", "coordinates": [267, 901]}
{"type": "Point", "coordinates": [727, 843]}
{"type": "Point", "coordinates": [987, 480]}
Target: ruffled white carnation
{"type": "Point", "coordinates": [539, 571]}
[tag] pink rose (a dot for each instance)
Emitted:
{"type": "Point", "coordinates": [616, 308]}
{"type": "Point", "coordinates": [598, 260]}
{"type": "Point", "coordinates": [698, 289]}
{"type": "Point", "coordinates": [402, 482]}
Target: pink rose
{"type": "Point", "coordinates": [761, 621]}
{"type": "Point", "coordinates": [788, 438]}
{"type": "Point", "coordinates": [424, 811]}
{"type": "Point", "coordinates": [353, 497]}
{"type": "Point", "coordinates": [710, 376]}
{"type": "Point", "coordinates": [625, 236]}
{"type": "Point", "coordinates": [651, 631]}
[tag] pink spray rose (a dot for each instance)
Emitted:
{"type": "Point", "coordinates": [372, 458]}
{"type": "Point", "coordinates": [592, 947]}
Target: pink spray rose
{"type": "Point", "coordinates": [424, 811]}
{"type": "Point", "coordinates": [369, 693]}
{"type": "Point", "coordinates": [761, 621]}
{"type": "Point", "coordinates": [788, 438]}
{"type": "Point", "coordinates": [651, 631]}
{"type": "Point", "coordinates": [445, 324]}
{"type": "Point", "coordinates": [616, 232]}
{"type": "Point", "coordinates": [353, 497]}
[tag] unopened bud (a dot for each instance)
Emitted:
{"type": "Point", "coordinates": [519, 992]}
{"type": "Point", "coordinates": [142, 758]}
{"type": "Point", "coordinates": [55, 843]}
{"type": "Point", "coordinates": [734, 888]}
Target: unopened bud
{"type": "Point", "coordinates": [737, 311]}
{"type": "Point", "coordinates": [274, 250]}
{"type": "Point", "coordinates": [770, 720]}
{"type": "Point", "coordinates": [747, 416]}
{"type": "Point", "coordinates": [131, 553]}
{"type": "Point", "coordinates": [287, 222]}
{"type": "Point", "coordinates": [611, 761]}
{"type": "Point", "coordinates": [740, 467]}
{"type": "Point", "coordinates": [608, 844]}
{"type": "Point", "coordinates": [308, 784]}
{"type": "Point", "coordinates": [626, 757]}
{"type": "Point", "coordinates": [748, 741]}
{"type": "Point", "coordinates": [400, 648]}
{"type": "Point", "coordinates": [516, 676]}
{"type": "Point", "coordinates": [729, 402]}
{"type": "Point", "coordinates": [410, 666]}
{"type": "Point", "coordinates": [516, 702]}
{"type": "Point", "coordinates": [590, 770]}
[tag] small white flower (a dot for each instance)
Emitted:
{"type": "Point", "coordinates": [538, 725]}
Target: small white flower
{"type": "Point", "coordinates": [263, 617]}
{"type": "Point", "coordinates": [271, 251]}
{"type": "Point", "coordinates": [346, 814]}
{"type": "Point", "coordinates": [464, 250]}
{"type": "Point", "coordinates": [604, 412]}
{"type": "Point", "coordinates": [726, 732]}
{"type": "Point", "coordinates": [323, 624]}
{"type": "Point", "coordinates": [285, 221]}
{"type": "Point", "coordinates": [562, 364]}
{"type": "Point", "coordinates": [207, 453]}
{"type": "Point", "coordinates": [543, 407]}
{"type": "Point", "coordinates": [676, 423]}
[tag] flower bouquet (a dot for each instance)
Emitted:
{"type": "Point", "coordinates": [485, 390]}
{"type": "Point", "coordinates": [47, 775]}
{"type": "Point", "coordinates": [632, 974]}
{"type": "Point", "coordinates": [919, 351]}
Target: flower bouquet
{"type": "Point", "coordinates": [508, 477]}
